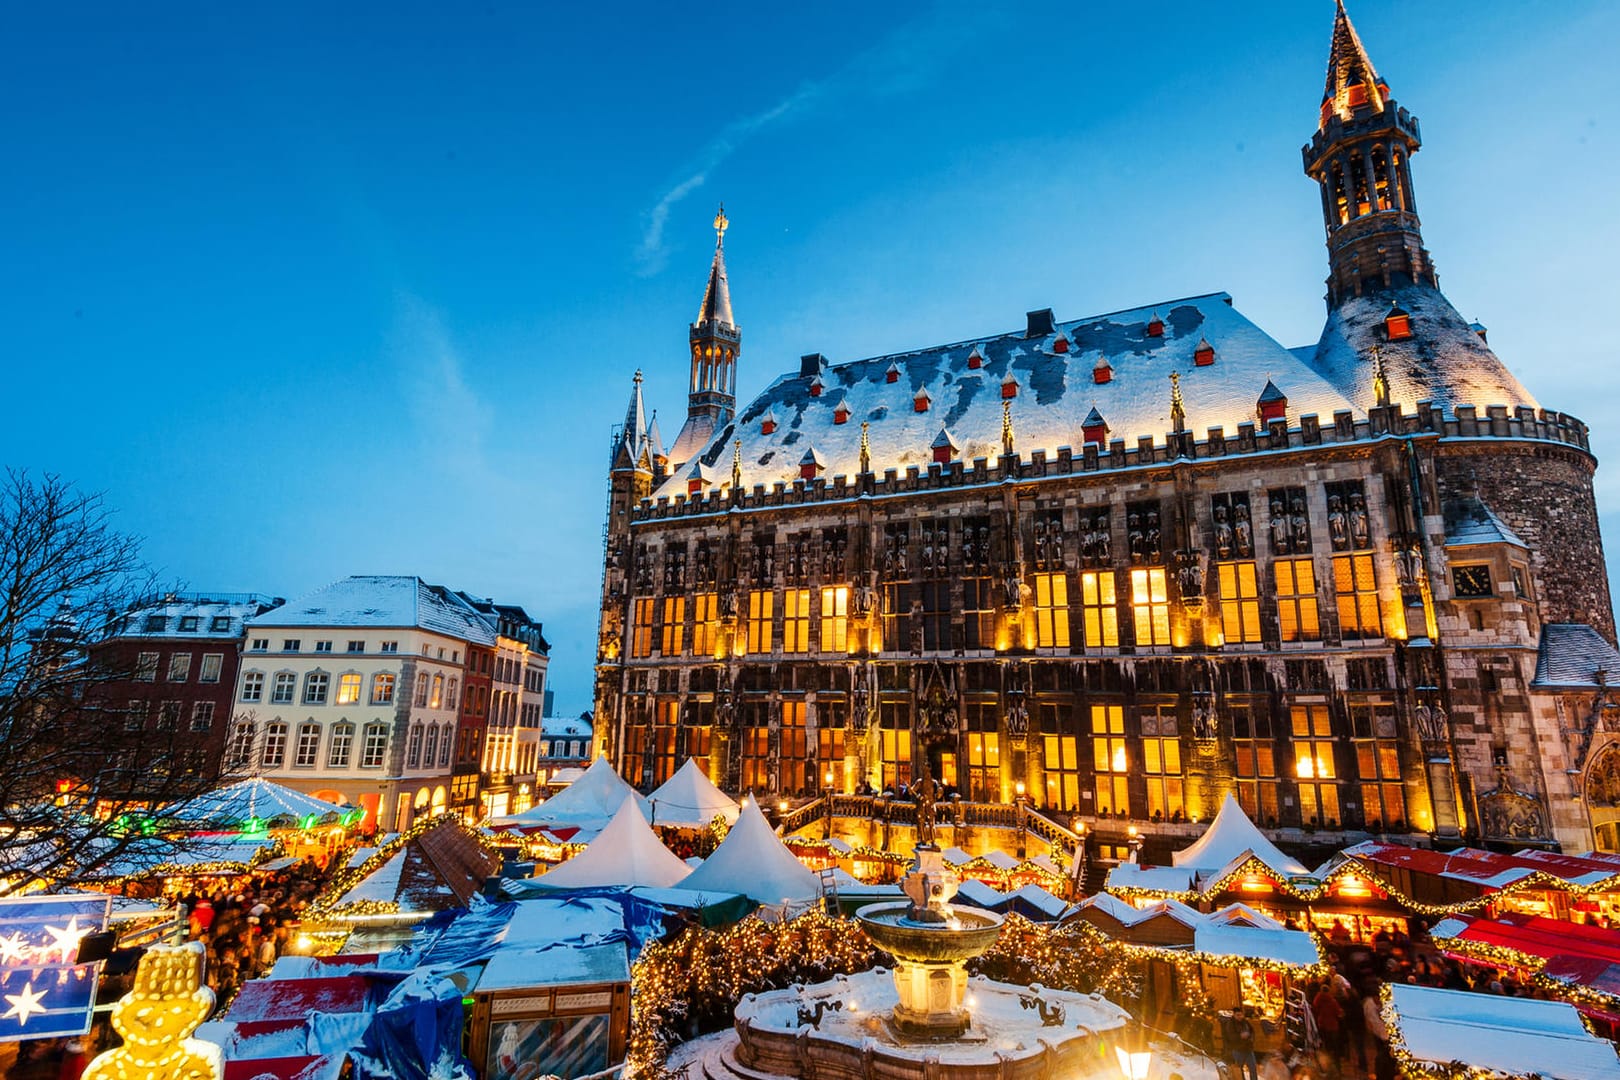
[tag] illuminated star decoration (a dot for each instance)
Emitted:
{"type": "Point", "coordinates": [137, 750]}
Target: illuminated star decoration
{"type": "Point", "coordinates": [66, 939]}
{"type": "Point", "coordinates": [13, 948]}
{"type": "Point", "coordinates": [24, 1005]}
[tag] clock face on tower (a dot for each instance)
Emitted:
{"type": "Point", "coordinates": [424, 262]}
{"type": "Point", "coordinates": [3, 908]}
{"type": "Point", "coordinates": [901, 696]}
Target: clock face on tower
{"type": "Point", "coordinates": [1471, 582]}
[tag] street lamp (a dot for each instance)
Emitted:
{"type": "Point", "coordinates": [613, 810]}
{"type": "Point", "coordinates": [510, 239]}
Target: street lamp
{"type": "Point", "coordinates": [1133, 1053]}
{"type": "Point", "coordinates": [1133, 840]}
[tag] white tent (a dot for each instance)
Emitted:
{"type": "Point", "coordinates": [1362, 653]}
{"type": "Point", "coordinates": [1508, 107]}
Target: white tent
{"type": "Point", "coordinates": [627, 852]}
{"type": "Point", "coordinates": [587, 804]}
{"type": "Point", "coordinates": [1230, 836]}
{"type": "Point", "coordinates": [751, 860]}
{"type": "Point", "coordinates": [254, 798]}
{"type": "Point", "coordinates": [690, 799]}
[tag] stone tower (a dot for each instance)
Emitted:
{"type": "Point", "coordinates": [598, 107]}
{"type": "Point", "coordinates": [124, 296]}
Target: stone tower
{"type": "Point", "coordinates": [715, 341]}
{"type": "Point", "coordinates": [1361, 157]}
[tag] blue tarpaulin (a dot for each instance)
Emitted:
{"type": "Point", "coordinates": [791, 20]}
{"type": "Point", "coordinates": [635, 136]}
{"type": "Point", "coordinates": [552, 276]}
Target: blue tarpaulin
{"type": "Point", "coordinates": [43, 993]}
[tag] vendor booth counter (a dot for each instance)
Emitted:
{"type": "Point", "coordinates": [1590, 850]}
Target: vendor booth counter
{"type": "Point", "coordinates": [556, 1012]}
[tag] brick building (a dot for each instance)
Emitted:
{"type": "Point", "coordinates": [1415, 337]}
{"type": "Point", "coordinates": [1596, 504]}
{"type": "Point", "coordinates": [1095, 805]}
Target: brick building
{"type": "Point", "coordinates": [175, 662]}
{"type": "Point", "coordinates": [1130, 562]}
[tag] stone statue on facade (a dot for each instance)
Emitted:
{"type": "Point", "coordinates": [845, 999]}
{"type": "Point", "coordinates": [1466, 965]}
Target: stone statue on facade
{"type": "Point", "coordinates": [1243, 532]}
{"type": "Point", "coordinates": [1280, 528]}
{"type": "Point", "coordinates": [1338, 524]}
{"type": "Point", "coordinates": [1431, 723]}
{"type": "Point", "coordinates": [1223, 534]}
{"type": "Point", "coordinates": [1300, 525]}
{"type": "Point", "coordinates": [1358, 521]}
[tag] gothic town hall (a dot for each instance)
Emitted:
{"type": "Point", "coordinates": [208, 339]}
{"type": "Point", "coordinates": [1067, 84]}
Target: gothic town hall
{"type": "Point", "coordinates": [1121, 565]}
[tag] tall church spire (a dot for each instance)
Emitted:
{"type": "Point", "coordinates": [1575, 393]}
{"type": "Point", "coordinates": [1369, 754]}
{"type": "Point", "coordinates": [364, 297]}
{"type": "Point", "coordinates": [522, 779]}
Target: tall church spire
{"type": "Point", "coordinates": [715, 341]}
{"type": "Point", "coordinates": [1360, 156]}
{"type": "Point", "coordinates": [632, 444]}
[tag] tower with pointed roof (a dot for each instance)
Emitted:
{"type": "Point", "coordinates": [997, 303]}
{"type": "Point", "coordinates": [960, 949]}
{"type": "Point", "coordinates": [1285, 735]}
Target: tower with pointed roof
{"type": "Point", "coordinates": [711, 398]}
{"type": "Point", "coordinates": [1360, 157]}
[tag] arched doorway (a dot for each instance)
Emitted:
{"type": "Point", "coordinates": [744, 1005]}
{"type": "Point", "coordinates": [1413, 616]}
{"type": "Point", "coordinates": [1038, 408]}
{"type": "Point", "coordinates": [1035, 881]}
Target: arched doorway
{"type": "Point", "coordinates": [1601, 789]}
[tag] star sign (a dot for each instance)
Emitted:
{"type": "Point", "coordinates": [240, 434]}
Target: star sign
{"type": "Point", "coordinates": [24, 1005]}
{"type": "Point", "coordinates": [66, 939]}
{"type": "Point", "coordinates": [13, 948]}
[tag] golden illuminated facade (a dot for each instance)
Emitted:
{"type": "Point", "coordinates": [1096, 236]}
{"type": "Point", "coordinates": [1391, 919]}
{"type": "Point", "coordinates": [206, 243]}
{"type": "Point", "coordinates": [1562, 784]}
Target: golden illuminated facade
{"type": "Point", "coordinates": [1360, 586]}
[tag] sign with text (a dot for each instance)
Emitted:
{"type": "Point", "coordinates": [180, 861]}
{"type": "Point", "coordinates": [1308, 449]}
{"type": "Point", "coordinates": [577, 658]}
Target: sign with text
{"type": "Point", "coordinates": [44, 992]}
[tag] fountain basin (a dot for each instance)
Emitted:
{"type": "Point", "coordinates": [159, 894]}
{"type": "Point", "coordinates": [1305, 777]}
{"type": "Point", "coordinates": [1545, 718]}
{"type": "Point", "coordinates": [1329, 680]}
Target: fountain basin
{"type": "Point", "coordinates": [966, 933]}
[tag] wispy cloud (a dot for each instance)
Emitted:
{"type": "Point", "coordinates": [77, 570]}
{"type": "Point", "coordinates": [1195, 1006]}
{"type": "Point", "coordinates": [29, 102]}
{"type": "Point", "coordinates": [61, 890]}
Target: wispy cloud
{"type": "Point", "coordinates": [449, 414]}
{"type": "Point", "coordinates": [906, 60]}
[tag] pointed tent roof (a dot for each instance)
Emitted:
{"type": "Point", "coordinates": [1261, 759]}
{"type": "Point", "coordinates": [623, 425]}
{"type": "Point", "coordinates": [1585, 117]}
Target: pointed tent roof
{"type": "Point", "coordinates": [1349, 66]}
{"type": "Point", "coordinates": [752, 861]}
{"type": "Point", "coordinates": [256, 798]}
{"type": "Point", "coordinates": [1230, 836]}
{"type": "Point", "coordinates": [690, 798]}
{"type": "Point", "coordinates": [588, 804]}
{"type": "Point", "coordinates": [716, 307]}
{"type": "Point", "coordinates": [627, 852]}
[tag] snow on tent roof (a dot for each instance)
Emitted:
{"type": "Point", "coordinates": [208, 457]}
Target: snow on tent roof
{"type": "Point", "coordinates": [1509, 1036]}
{"type": "Point", "coordinates": [254, 797]}
{"type": "Point", "coordinates": [588, 804]}
{"type": "Point", "coordinates": [1000, 859]}
{"type": "Point", "coordinates": [1164, 879]}
{"type": "Point", "coordinates": [955, 856]}
{"type": "Point", "coordinates": [977, 893]}
{"type": "Point", "coordinates": [516, 969]}
{"type": "Point", "coordinates": [1229, 836]}
{"type": "Point", "coordinates": [752, 862]}
{"type": "Point", "coordinates": [1284, 946]}
{"type": "Point", "coordinates": [690, 798]}
{"type": "Point", "coordinates": [1032, 901]}
{"type": "Point", "coordinates": [626, 852]}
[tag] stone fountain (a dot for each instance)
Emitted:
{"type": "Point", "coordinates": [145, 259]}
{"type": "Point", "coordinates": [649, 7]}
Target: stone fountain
{"type": "Point", "coordinates": [931, 941]}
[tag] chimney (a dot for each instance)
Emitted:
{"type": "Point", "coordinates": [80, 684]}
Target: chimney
{"type": "Point", "coordinates": [811, 365]}
{"type": "Point", "coordinates": [1041, 323]}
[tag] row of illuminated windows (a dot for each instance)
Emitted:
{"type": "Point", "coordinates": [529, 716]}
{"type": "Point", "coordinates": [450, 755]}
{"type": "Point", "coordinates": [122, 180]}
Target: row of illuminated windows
{"type": "Point", "coordinates": [169, 714]}
{"type": "Point", "coordinates": [273, 749]}
{"type": "Point", "coordinates": [179, 670]}
{"type": "Point", "coordinates": [1294, 581]}
{"type": "Point", "coordinates": [434, 691]}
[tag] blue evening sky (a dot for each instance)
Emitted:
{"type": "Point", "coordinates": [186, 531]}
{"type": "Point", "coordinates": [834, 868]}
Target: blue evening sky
{"type": "Point", "coordinates": [315, 289]}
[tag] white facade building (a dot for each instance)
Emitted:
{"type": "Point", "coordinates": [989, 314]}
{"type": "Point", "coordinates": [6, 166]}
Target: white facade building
{"type": "Point", "coordinates": [350, 694]}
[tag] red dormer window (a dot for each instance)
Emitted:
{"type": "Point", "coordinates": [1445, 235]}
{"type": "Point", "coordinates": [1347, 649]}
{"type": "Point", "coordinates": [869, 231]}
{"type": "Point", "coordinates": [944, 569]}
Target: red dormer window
{"type": "Point", "coordinates": [1094, 429]}
{"type": "Point", "coordinates": [1102, 371]}
{"type": "Point", "coordinates": [841, 413]}
{"type": "Point", "coordinates": [808, 470]}
{"type": "Point", "coordinates": [815, 387]}
{"type": "Point", "coordinates": [1060, 344]}
{"type": "Point", "coordinates": [1397, 325]}
{"type": "Point", "coordinates": [1009, 386]}
{"type": "Point", "coordinates": [975, 361]}
{"type": "Point", "coordinates": [1204, 355]}
{"type": "Point", "coordinates": [892, 375]}
{"type": "Point", "coordinates": [920, 402]}
{"type": "Point", "coordinates": [1273, 403]}
{"type": "Point", "coordinates": [767, 425]}
{"type": "Point", "coordinates": [1155, 326]}
{"type": "Point", "coordinates": [694, 486]}
{"type": "Point", "coordinates": [942, 454]}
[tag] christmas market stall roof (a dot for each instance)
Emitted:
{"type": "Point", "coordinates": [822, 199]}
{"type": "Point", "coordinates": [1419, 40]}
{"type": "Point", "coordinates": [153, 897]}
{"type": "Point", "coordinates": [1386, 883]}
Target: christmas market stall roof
{"type": "Point", "coordinates": [254, 800]}
{"type": "Point", "coordinates": [440, 864]}
{"type": "Point", "coordinates": [587, 804]}
{"type": "Point", "coordinates": [1044, 371]}
{"type": "Point", "coordinates": [1230, 844]}
{"type": "Point", "coordinates": [1493, 1036]}
{"type": "Point", "coordinates": [216, 854]}
{"type": "Point", "coordinates": [298, 1027]}
{"type": "Point", "coordinates": [752, 861]}
{"type": "Point", "coordinates": [1558, 954]}
{"type": "Point", "coordinates": [689, 798]}
{"type": "Point", "coordinates": [1470, 878]}
{"type": "Point", "coordinates": [626, 853]}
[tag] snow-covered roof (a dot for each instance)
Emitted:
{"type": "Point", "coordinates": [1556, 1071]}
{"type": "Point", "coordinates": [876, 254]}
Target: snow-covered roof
{"type": "Point", "coordinates": [752, 862]}
{"type": "Point", "coordinates": [383, 600]}
{"type": "Point", "coordinates": [555, 727]}
{"type": "Point", "coordinates": [587, 804]}
{"type": "Point", "coordinates": [1470, 521]}
{"type": "Point", "coordinates": [217, 615]}
{"type": "Point", "coordinates": [690, 798]}
{"type": "Point", "coordinates": [1444, 361]}
{"type": "Point", "coordinates": [1230, 837]}
{"type": "Point", "coordinates": [517, 969]}
{"type": "Point", "coordinates": [1056, 391]}
{"type": "Point", "coordinates": [1571, 654]}
{"type": "Point", "coordinates": [1160, 879]}
{"type": "Point", "coordinates": [1284, 946]}
{"type": "Point", "coordinates": [627, 852]}
{"type": "Point", "coordinates": [256, 798]}
{"type": "Point", "coordinates": [1510, 1036]}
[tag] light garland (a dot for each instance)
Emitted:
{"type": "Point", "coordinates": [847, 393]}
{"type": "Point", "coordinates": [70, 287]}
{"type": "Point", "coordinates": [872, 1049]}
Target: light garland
{"type": "Point", "coordinates": [329, 903]}
{"type": "Point", "coordinates": [1415, 1068]}
{"type": "Point", "coordinates": [1531, 967]}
